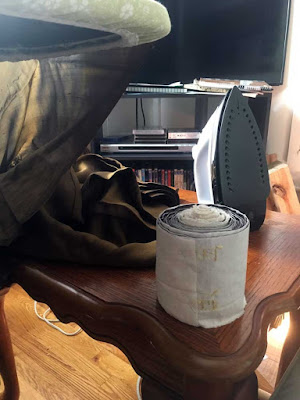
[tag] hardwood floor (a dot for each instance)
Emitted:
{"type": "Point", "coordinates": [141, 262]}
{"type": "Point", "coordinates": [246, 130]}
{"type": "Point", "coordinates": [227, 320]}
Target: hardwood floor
{"type": "Point", "coordinates": [57, 367]}
{"type": "Point", "coordinates": [268, 369]}
{"type": "Point", "coordinates": [52, 366]}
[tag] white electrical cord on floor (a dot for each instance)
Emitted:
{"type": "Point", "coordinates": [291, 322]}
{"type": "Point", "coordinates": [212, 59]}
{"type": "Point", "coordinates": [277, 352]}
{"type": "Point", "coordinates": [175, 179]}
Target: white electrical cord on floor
{"type": "Point", "coordinates": [51, 322]}
{"type": "Point", "coordinates": [138, 387]}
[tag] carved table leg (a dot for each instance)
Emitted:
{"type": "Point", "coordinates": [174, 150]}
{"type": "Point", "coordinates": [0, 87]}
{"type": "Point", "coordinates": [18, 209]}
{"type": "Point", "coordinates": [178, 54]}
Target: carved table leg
{"type": "Point", "coordinates": [7, 360]}
{"type": "Point", "coordinates": [197, 390]}
{"type": "Point", "coordinates": [247, 389]}
{"type": "Point", "coordinates": [151, 390]}
{"type": "Point", "coordinates": [291, 344]}
{"type": "Point", "coordinates": [226, 390]}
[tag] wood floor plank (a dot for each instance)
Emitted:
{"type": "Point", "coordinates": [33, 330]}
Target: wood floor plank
{"type": "Point", "coordinates": [263, 383]}
{"type": "Point", "coordinates": [38, 383]}
{"type": "Point", "coordinates": [120, 389]}
{"type": "Point", "coordinates": [57, 367]}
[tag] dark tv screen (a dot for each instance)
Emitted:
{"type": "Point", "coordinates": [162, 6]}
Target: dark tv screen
{"type": "Point", "coordinates": [226, 39]}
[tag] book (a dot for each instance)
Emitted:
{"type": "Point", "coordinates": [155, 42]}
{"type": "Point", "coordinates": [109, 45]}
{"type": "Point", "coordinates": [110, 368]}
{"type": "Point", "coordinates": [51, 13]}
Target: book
{"type": "Point", "coordinates": [155, 175]}
{"type": "Point", "coordinates": [176, 178]}
{"type": "Point", "coordinates": [180, 178]}
{"type": "Point", "coordinates": [140, 174]}
{"type": "Point", "coordinates": [223, 85]}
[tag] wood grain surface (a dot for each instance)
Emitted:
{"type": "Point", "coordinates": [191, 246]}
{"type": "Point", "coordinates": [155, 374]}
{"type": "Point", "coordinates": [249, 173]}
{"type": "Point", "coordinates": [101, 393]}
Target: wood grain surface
{"type": "Point", "coordinates": [52, 366]}
{"type": "Point", "coordinates": [273, 266]}
{"type": "Point", "coordinates": [283, 196]}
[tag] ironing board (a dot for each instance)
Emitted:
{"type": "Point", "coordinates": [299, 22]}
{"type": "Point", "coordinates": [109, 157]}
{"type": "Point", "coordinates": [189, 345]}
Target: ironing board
{"type": "Point", "coordinates": [43, 28]}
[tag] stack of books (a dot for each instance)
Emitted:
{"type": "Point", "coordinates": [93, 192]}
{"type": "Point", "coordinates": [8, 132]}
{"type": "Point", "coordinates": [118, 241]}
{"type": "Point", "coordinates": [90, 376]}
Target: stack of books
{"type": "Point", "coordinates": [223, 85]}
{"type": "Point", "coordinates": [179, 178]}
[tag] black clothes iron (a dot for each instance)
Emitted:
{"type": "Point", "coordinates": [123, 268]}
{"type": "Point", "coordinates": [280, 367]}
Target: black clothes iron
{"type": "Point", "coordinates": [229, 160]}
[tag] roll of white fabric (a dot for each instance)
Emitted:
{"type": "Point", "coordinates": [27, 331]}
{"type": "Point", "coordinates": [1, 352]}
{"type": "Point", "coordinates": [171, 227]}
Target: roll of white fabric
{"type": "Point", "coordinates": [201, 263]}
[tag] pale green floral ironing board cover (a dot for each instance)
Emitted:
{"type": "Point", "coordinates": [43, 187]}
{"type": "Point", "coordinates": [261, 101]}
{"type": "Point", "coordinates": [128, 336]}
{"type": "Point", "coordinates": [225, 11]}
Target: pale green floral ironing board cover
{"type": "Point", "coordinates": [134, 21]}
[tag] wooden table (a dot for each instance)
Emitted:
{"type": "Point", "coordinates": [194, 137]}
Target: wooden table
{"type": "Point", "coordinates": [176, 361]}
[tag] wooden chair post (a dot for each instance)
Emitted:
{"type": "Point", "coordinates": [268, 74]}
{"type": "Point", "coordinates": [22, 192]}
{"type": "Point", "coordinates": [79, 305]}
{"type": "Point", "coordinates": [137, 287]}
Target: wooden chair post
{"type": "Point", "coordinates": [7, 360]}
{"type": "Point", "coordinates": [291, 344]}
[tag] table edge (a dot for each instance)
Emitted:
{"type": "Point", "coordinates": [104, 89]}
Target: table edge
{"type": "Point", "coordinates": [180, 356]}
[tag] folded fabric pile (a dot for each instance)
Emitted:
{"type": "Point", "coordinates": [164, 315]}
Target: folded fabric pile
{"type": "Point", "coordinates": [99, 214]}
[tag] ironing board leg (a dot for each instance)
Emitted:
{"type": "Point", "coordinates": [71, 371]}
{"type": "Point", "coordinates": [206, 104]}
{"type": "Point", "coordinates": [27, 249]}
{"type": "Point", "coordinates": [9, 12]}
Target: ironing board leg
{"type": "Point", "coordinates": [7, 360]}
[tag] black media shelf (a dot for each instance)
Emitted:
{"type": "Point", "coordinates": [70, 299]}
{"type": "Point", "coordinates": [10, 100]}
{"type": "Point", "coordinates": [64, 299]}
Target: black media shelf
{"type": "Point", "coordinates": [163, 161]}
{"type": "Point", "coordinates": [169, 95]}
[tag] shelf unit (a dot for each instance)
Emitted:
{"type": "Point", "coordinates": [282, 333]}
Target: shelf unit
{"type": "Point", "coordinates": [260, 106]}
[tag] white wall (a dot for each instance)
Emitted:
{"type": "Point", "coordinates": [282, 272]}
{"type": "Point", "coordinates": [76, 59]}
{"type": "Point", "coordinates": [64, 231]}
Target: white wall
{"type": "Point", "coordinates": [294, 149]}
{"type": "Point", "coordinates": [285, 96]}
{"type": "Point", "coordinates": [294, 144]}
